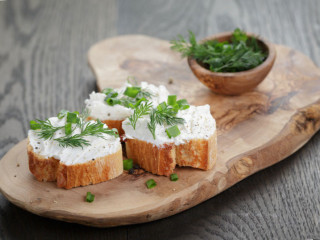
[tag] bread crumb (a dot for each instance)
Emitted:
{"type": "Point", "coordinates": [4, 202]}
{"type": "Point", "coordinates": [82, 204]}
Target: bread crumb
{"type": "Point", "coordinates": [18, 165]}
{"type": "Point", "coordinates": [54, 201]}
{"type": "Point", "coordinates": [173, 189]}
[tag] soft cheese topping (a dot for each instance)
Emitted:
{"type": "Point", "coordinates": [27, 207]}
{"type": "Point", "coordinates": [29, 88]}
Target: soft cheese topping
{"type": "Point", "coordinates": [199, 124]}
{"type": "Point", "coordinates": [99, 109]}
{"type": "Point", "coordinates": [99, 147]}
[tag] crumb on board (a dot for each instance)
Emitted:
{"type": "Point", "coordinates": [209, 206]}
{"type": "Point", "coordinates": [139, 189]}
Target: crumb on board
{"type": "Point", "coordinates": [54, 201]}
{"type": "Point", "coordinates": [173, 189]}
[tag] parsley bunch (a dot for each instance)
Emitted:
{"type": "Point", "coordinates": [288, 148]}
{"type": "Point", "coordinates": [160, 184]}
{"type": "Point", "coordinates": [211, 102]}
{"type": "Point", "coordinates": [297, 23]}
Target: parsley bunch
{"type": "Point", "coordinates": [240, 54]}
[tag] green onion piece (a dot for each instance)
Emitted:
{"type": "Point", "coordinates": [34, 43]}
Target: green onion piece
{"type": "Point", "coordinates": [162, 106]}
{"type": "Point", "coordinates": [151, 183]}
{"type": "Point", "coordinates": [183, 104]}
{"type": "Point", "coordinates": [106, 91]}
{"type": "Point", "coordinates": [112, 95]}
{"type": "Point", "coordinates": [127, 164]}
{"type": "Point", "coordinates": [172, 100]}
{"type": "Point", "coordinates": [176, 107]}
{"type": "Point", "coordinates": [173, 131]}
{"type": "Point", "coordinates": [174, 177]}
{"type": "Point", "coordinates": [132, 91]}
{"type": "Point", "coordinates": [34, 125]}
{"type": "Point", "coordinates": [90, 197]}
{"type": "Point", "coordinates": [112, 101]}
{"type": "Point", "coordinates": [68, 129]}
{"type": "Point", "coordinates": [62, 113]}
{"type": "Point", "coordinates": [139, 101]}
{"type": "Point", "coordinates": [71, 117]}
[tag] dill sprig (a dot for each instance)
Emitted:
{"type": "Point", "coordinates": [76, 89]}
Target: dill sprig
{"type": "Point", "coordinates": [46, 130]}
{"type": "Point", "coordinates": [141, 110]}
{"type": "Point", "coordinates": [90, 129]}
{"type": "Point", "coordinates": [163, 114]}
{"type": "Point", "coordinates": [240, 54]}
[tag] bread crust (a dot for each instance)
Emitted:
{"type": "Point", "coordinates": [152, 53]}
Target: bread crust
{"type": "Point", "coordinates": [68, 176]}
{"type": "Point", "coordinates": [112, 124]}
{"type": "Point", "coordinates": [197, 153]}
{"type": "Point", "coordinates": [160, 161]}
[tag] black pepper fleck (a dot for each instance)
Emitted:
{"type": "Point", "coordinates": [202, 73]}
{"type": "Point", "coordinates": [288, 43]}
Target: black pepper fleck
{"type": "Point", "coordinates": [136, 166]}
{"type": "Point", "coordinates": [109, 114]}
{"type": "Point", "coordinates": [18, 165]}
{"type": "Point", "coordinates": [131, 171]}
{"type": "Point", "coordinates": [170, 81]}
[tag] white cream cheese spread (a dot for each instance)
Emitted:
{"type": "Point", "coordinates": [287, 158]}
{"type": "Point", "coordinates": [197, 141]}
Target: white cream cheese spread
{"type": "Point", "coordinates": [99, 147]}
{"type": "Point", "coordinates": [99, 109]}
{"type": "Point", "coordinates": [199, 124]}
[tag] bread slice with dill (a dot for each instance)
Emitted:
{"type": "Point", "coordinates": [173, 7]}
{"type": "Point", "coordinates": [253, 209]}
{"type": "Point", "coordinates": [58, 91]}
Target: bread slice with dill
{"type": "Point", "coordinates": [113, 106]}
{"type": "Point", "coordinates": [195, 146]}
{"type": "Point", "coordinates": [55, 159]}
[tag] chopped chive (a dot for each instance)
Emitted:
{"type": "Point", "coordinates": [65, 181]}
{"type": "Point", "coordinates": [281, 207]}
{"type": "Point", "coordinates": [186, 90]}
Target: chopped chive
{"type": "Point", "coordinates": [176, 107]}
{"type": "Point", "coordinates": [68, 129]}
{"type": "Point", "coordinates": [71, 117]}
{"type": "Point", "coordinates": [132, 91]}
{"type": "Point", "coordinates": [106, 91]}
{"type": "Point", "coordinates": [90, 197]}
{"type": "Point", "coordinates": [172, 100]}
{"type": "Point", "coordinates": [173, 131]}
{"type": "Point", "coordinates": [127, 164]}
{"type": "Point", "coordinates": [112, 95]}
{"type": "Point", "coordinates": [183, 104]}
{"type": "Point", "coordinates": [62, 114]}
{"type": "Point", "coordinates": [174, 177]}
{"type": "Point", "coordinates": [112, 101]}
{"type": "Point", "coordinates": [34, 125]}
{"type": "Point", "coordinates": [162, 106]}
{"type": "Point", "coordinates": [151, 183]}
{"type": "Point", "coordinates": [139, 101]}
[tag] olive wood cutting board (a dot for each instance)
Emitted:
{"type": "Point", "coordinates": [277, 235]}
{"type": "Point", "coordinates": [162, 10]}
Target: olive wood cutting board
{"type": "Point", "coordinates": [255, 131]}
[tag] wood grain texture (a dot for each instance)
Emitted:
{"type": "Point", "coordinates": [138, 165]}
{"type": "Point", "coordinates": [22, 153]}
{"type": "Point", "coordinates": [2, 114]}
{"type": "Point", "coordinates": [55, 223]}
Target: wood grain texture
{"type": "Point", "coordinates": [251, 143]}
{"type": "Point", "coordinates": [42, 50]}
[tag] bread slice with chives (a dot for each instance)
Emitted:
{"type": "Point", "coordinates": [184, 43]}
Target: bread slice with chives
{"type": "Point", "coordinates": [195, 146]}
{"type": "Point", "coordinates": [113, 106]}
{"type": "Point", "coordinates": [60, 158]}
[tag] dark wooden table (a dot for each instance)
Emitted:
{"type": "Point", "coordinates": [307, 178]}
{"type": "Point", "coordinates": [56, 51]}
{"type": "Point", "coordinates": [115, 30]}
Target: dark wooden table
{"type": "Point", "coordinates": [43, 68]}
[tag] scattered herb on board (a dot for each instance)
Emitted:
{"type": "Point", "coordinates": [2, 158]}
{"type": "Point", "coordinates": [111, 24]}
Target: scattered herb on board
{"type": "Point", "coordinates": [90, 197]}
{"type": "Point", "coordinates": [240, 54]}
{"type": "Point", "coordinates": [151, 183]}
{"type": "Point", "coordinates": [174, 177]}
{"type": "Point", "coordinates": [127, 164]}
{"type": "Point", "coordinates": [74, 120]}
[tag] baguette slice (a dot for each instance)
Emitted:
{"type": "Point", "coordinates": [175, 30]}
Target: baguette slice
{"type": "Point", "coordinates": [98, 161]}
{"type": "Point", "coordinates": [70, 176]}
{"type": "Point", "coordinates": [196, 146]}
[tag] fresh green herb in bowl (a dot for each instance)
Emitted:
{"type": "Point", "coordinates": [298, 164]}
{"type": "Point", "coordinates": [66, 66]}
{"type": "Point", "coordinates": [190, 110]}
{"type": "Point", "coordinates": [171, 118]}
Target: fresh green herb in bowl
{"type": "Point", "coordinates": [241, 53]}
{"type": "Point", "coordinates": [229, 63]}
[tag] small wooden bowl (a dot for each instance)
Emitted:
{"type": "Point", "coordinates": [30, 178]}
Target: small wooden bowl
{"type": "Point", "coordinates": [238, 82]}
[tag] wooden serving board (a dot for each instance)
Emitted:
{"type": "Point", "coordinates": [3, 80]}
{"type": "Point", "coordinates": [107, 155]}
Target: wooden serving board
{"type": "Point", "coordinates": [256, 130]}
